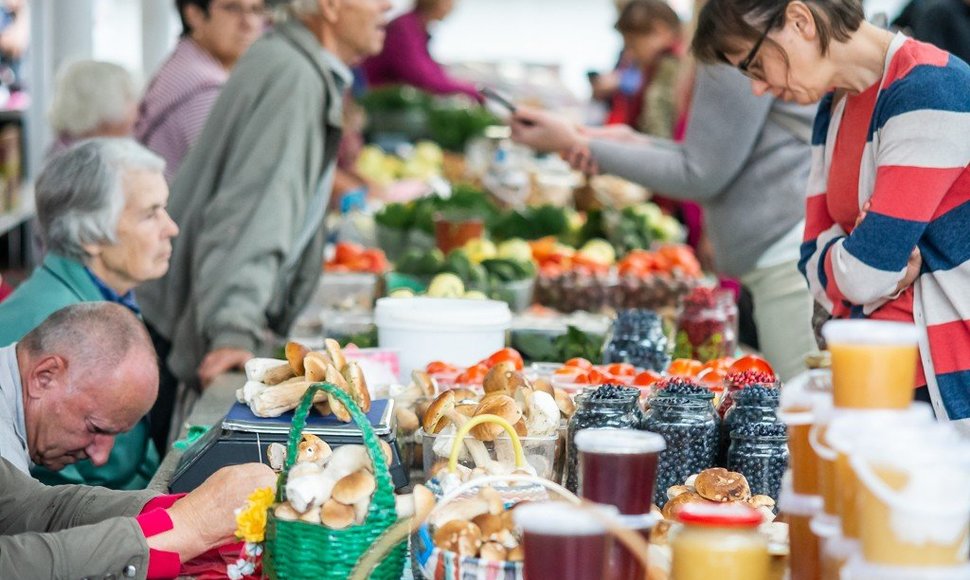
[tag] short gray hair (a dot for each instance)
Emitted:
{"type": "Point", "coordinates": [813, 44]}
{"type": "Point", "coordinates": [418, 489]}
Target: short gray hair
{"type": "Point", "coordinates": [89, 93]}
{"type": "Point", "coordinates": [91, 335]}
{"type": "Point", "coordinates": [80, 193]}
{"type": "Point", "coordinates": [304, 7]}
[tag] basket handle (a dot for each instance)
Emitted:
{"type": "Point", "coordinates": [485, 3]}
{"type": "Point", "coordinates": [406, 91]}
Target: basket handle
{"type": "Point", "coordinates": [474, 421]}
{"type": "Point", "coordinates": [384, 493]}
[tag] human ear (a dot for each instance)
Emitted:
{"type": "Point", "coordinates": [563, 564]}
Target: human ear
{"type": "Point", "coordinates": [800, 18]}
{"type": "Point", "coordinates": [195, 16]}
{"type": "Point", "coordinates": [330, 10]}
{"type": "Point", "coordinates": [48, 374]}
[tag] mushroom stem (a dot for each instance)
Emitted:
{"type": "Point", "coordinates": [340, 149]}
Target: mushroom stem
{"type": "Point", "coordinates": [475, 447]}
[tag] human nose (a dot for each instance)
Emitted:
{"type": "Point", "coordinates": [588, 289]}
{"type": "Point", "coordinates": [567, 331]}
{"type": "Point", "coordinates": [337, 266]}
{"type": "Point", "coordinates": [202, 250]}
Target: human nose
{"type": "Point", "coordinates": [99, 449]}
{"type": "Point", "coordinates": [171, 228]}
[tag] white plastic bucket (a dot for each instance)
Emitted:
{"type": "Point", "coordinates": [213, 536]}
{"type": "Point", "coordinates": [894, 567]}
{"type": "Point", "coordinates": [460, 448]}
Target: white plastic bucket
{"type": "Point", "coordinates": [859, 569]}
{"type": "Point", "coordinates": [453, 330]}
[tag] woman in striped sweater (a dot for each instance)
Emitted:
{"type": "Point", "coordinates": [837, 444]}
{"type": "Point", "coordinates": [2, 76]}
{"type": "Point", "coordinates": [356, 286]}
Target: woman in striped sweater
{"type": "Point", "coordinates": [887, 232]}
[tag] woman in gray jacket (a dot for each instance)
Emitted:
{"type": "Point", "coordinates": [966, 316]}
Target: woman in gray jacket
{"type": "Point", "coordinates": [746, 160]}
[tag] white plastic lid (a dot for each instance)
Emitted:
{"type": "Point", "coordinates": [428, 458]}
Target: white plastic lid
{"type": "Point", "coordinates": [796, 504]}
{"type": "Point", "coordinates": [859, 569]}
{"type": "Point", "coordinates": [871, 332]}
{"type": "Point", "coordinates": [442, 314]}
{"type": "Point", "coordinates": [840, 548]}
{"type": "Point", "coordinates": [826, 525]}
{"type": "Point", "coordinates": [619, 441]}
{"type": "Point", "coordinates": [558, 518]}
{"type": "Point", "coordinates": [852, 426]}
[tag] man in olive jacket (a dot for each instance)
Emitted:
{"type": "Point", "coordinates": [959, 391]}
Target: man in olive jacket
{"type": "Point", "coordinates": [251, 195]}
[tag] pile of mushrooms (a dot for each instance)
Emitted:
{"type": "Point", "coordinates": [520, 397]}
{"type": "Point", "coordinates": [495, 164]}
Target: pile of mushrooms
{"type": "Point", "coordinates": [334, 487]}
{"type": "Point", "coordinates": [478, 526]}
{"type": "Point", "coordinates": [274, 387]}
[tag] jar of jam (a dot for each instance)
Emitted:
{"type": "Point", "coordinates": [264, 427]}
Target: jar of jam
{"type": "Point", "coordinates": [607, 406]}
{"type": "Point", "coordinates": [707, 327]}
{"type": "Point", "coordinates": [690, 430]}
{"type": "Point", "coordinates": [759, 451]}
{"type": "Point", "coordinates": [720, 541]}
{"type": "Point", "coordinates": [753, 405]}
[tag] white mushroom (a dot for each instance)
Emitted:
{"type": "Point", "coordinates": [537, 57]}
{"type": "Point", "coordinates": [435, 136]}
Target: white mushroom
{"type": "Point", "coordinates": [285, 511]}
{"type": "Point", "coordinates": [276, 453]}
{"type": "Point", "coordinates": [336, 515]}
{"type": "Point", "coordinates": [306, 486]}
{"type": "Point", "coordinates": [249, 391]}
{"type": "Point", "coordinates": [417, 504]}
{"type": "Point", "coordinates": [267, 370]}
{"type": "Point", "coordinates": [312, 515]}
{"type": "Point", "coordinates": [314, 450]}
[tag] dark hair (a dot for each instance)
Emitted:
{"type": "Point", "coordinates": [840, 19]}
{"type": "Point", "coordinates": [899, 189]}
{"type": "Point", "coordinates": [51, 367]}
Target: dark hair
{"type": "Point", "coordinates": [724, 26]}
{"type": "Point", "coordinates": [203, 5]}
{"type": "Point", "coordinates": [642, 17]}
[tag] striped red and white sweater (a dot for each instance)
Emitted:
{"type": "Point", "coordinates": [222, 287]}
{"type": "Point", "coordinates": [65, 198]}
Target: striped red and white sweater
{"type": "Point", "coordinates": [914, 168]}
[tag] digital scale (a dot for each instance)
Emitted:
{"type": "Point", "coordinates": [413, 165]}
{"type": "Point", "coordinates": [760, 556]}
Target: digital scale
{"type": "Point", "coordinates": [242, 437]}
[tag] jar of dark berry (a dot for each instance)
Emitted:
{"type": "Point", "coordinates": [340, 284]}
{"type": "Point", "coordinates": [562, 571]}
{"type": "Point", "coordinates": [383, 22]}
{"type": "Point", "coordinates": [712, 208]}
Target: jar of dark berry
{"type": "Point", "coordinates": [606, 406]}
{"type": "Point", "coordinates": [690, 429]}
{"type": "Point", "coordinates": [735, 382]}
{"type": "Point", "coordinates": [638, 338]}
{"type": "Point", "coordinates": [707, 327]}
{"type": "Point", "coordinates": [760, 453]}
{"type": "Point", "coordinates": [753, 405]}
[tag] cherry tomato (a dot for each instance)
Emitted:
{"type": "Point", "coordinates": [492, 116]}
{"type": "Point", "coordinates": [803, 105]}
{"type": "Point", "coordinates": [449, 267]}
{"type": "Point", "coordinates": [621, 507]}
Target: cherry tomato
{"type": "Point", "coordinates": [579, 363]}
{"type": "Point", "coordinates": [473, 375]}
{"type": "Point", "coordinates": [621, 370]}
{"type": "Point", "coordinates": [723, 363]}
{"type": "Point", "coordinates": [436, 367]}
{"type": "Point", "coordinates": [712, 378]}
{"type": "Point", "coordinates": [582, 379]}
{"type": "Point", "coordinates": [596, 377]}
{"type": "Point", "coordinates": [751, 362]}
{"type": "Point", "coordinates": [506, 354]}
{"type": "Point", "coordinates": [684, 367]}
{"type": "Point", "coordinates": [646, 378]}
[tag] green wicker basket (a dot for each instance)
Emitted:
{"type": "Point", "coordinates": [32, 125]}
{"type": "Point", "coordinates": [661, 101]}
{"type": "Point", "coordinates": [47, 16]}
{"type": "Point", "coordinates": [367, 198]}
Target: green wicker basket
{"type": "Point", "coordinates": [296, 550]}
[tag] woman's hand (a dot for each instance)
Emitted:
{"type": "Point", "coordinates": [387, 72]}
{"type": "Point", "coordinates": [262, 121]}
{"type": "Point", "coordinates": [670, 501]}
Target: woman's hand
{"type": "Point", "coordinates": [220, 361]}
{"type": "Point", "coordinates": [544, 131]}
{"type": "Point", "coordinates": [913, 265]}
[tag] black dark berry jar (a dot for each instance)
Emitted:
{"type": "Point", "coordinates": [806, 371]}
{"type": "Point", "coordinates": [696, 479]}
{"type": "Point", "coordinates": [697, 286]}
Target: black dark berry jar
{"type": "Point", "coordinates": [690, 429]}
{"type": "Point", "coordinates": [606, 406]}
{"type": "Point", "coordinates": [637, 337]}
{"type": "Point", "coordinates": [757, 404]}
{"type": "Point", "coordinates": [760, 453]}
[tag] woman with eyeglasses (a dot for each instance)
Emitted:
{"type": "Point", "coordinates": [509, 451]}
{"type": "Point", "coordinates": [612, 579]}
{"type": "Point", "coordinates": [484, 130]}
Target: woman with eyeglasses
{"type": "Point", "coordinates": [888, 210]}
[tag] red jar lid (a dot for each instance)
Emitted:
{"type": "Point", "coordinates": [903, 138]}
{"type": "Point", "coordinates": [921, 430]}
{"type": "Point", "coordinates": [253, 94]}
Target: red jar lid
{"type": "Point", "coordinates": [720, 515]}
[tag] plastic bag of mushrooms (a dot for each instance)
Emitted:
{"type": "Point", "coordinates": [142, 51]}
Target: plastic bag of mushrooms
{"type": "Point", "coordinates": [274, 386]}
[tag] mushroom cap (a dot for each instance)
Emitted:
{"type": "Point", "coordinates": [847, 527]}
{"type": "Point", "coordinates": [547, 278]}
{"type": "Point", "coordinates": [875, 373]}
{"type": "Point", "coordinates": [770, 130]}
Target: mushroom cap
{"type": "Point", "coordinates": [295, 352]}
{"type": "Point", "coordinates": [492, 551]}
{"type": "Point", "coordinates": [424, 502]}
{"type": "Point", "coordinates": [354, 488]}
{"type": "Point", "coordinates": [466, 409]}
{"type": "Point", "coordinates": [315, 366]}
{"type": "Point", "coordinates": [516, 554]}
{"type": "Point", "coordinates": [543, 386]}
{"type": "Point", "coordinates": [313, 449]}
{"type": "Point", "coordinates": [459, 536]}
{"type": "Point", "coordinates": [500, 405]}
{"type": "Point", "coordinates": [435, 418]}
{"type": "Point", "coordinates": [276, 453]}
{"type": "Point", "coordinates": [335, 378]}
{"type": "Point", "coordinates": [489, 524]}
{"type": "Point", "coordinates": [284, 511]}
{"type": "Point", "coordinates": [425, 382]}
{"type": "Point", "coordinates": [463, 394]}
{"type": "Point", "coordinates": [336, 515]}
{"type": "Point", "coordinates": [497, 377]}
{"type": "Point", "coordinates": [354, 376]}
{"type": "Point", "coordinates": [407, 421]}
{"type": "Point", "coordinates": [565, 403]}
{"type": "Point", "coordinates": [336, 353]}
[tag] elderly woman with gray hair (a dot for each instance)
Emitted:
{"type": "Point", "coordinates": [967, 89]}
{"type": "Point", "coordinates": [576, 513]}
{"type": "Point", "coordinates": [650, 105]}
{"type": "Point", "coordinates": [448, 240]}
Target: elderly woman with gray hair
{"type": "Point", "coordinates": [101, 205]}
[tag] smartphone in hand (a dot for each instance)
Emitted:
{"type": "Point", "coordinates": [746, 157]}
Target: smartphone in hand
{"type": "Point", "coordinates": [492, 95]}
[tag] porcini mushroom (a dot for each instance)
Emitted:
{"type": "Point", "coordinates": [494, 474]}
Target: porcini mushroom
{"type": "Point", "coordinates": [276, 453]}
{"type": "Point", "coordinates": [459, 536]}
{"type": "Point", "coordinates": [497, 378]}
{"type": "Point", "coordinates": [313, 449]}
{"type": "Point", "coordinates": [334, 377]}
{"type": "Point", "coordinates": [336, 515]}
{"type": "Point", "coordinates": [269, 371]}
{"type": "Point", "coordinates": [336, 353]}
{"type": "Point", "coordinates": [500, 405]}
{"type": "Point", "coordinates": [356, 385]}
{"type": "Point", "coordinates": [294, 355]}
{"type": "Point", "coordinates": [442, 410]}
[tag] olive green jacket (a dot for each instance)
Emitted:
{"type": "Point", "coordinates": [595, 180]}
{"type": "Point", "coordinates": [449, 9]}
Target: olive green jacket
{"type": "Point", "coordinates": [69, 531]}
{"type": "Point", "coordinates": [57, 283]}
{"type": "Point", "coordinates": [250, 248]}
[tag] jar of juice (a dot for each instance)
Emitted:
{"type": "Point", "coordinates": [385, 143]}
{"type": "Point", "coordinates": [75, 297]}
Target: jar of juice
{"type": "Point", "coordinates": [608, 406]}
{"type": "Point", "coordinates": [690, 429]}
{"type": "Point", "coordinates": [914, 497]}
{"type": "Point", "coordinates": [873, 363]}
{"type": "Point", "coordinates": [804, 396]}
{"type": "Point", "coordinates": [804, 545]}
{"type": "Point", "coordinates": [720, 541]}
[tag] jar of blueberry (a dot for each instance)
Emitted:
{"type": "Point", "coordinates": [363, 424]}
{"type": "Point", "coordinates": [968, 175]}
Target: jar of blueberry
{"type": "Point", "coordinates": [753, 405]}
{"type": "Point", "coordinates": [690, 430]}
{"type": "Point", "coordinates": [735, 382]}
{"type": "Point", "coordinates": [760, 452]}
{"type": "Point", "coordinates": [606, 406]}
{"type": "Point", "coordinates": [638, 338]}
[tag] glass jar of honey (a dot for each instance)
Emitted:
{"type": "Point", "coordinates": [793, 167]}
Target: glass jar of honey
{"type": "Point", "coordinates": [720, 541]}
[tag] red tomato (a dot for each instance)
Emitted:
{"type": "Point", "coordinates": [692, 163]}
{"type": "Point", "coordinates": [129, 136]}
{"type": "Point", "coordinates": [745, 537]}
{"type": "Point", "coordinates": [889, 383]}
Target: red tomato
{"type": "Point", "coordinates": [473, 375]}
{"type": "Point", "coordinates": [436, 367]}
{"type": "Point", "coordinates": [596, 377]}
{"type": "Point", "coordinates": [646, 378]}
{"type": "Point", "coordinates": [621, 370]}
{"type": "Point", "coordinates": [506, 354]}
{"type": "Point", "coordinates": [751, 362]}
{"type": "Point", "coordinates": [712, 378]}
{"type": "Point", "coordinates": [684, 367]}
{"type": "Point", "coordinates": [347, 252]}
{"type": "Point", "coordinates": [579, 363]}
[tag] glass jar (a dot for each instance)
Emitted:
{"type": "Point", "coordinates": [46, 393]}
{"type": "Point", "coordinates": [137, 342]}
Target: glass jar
{"type": "Point", "coordinates": [606, 406]}
{"type": "Point", "coordinates": [720, 541]}
{"type": "Point", "coordinates": [637, 337]}
{"type": "Point", "coordinates": [754, 405]}
{"type": "Point", "coordinates": [760, 453]}
{"type": "Point", "coordinates": [707, 327]}
{"type": "Point", "coordinates": [739, 381]}
{"type": "Point", "coordinates": [690, 430]}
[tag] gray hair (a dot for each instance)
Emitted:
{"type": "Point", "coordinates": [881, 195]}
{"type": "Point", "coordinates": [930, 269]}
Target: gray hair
{"type": "Point", "coordinates": [89, 93]}
{"type": "Point", "coordinates": [304, 7]}
{"type": "Point", "coordinates": [80, 193]}
{"type": "Point", "coordinates": [91, 334]}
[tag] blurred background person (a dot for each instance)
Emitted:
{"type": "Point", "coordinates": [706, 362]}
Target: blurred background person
{"type": "Point", "coordinates": [101, 209]}
{"type": "Point", "coordinates": [945, 23]}
{"type": "Point", "coordinates": [92, 99]}
{"type": "Point", "coordinates": [405, 58]}
{"type": "Point", "coordinates": [14, 39]}
{"type": "Point", "coordinates": [215, 33]}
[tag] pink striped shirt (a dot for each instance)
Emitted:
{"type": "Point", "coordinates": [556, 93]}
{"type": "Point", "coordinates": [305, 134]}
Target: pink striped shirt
{"type": "Point", "coordinates": [177, 103]}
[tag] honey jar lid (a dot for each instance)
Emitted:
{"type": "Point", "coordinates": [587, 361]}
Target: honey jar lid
{"type": "Point", "coordinates": [720, 515]}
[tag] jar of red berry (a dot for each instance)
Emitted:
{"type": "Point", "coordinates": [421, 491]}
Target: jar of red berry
{"type": "Point", "coordinates": [707, 327]}
{"type": "Point", "coordinates": [740, 380]}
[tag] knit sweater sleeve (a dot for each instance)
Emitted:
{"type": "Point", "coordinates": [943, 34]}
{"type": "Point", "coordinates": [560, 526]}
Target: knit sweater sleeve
{"type": "Point", "coordinates": [920, 147]}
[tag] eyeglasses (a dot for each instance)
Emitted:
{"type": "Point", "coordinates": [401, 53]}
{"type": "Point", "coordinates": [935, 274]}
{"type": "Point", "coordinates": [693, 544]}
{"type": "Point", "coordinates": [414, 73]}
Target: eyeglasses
{"type": "Point", "coordinates": [744, 65]}
{"type": "Point", "coordinates": [237, 9]}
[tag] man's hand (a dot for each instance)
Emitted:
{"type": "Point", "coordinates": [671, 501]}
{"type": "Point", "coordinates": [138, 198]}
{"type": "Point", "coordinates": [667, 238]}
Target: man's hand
{"type": "Point", "coordinates": [220, 361]}
{"type": "Point", "coordinates": [544, 131]}
{"type": "Point", "coordinates": [205, 519]}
